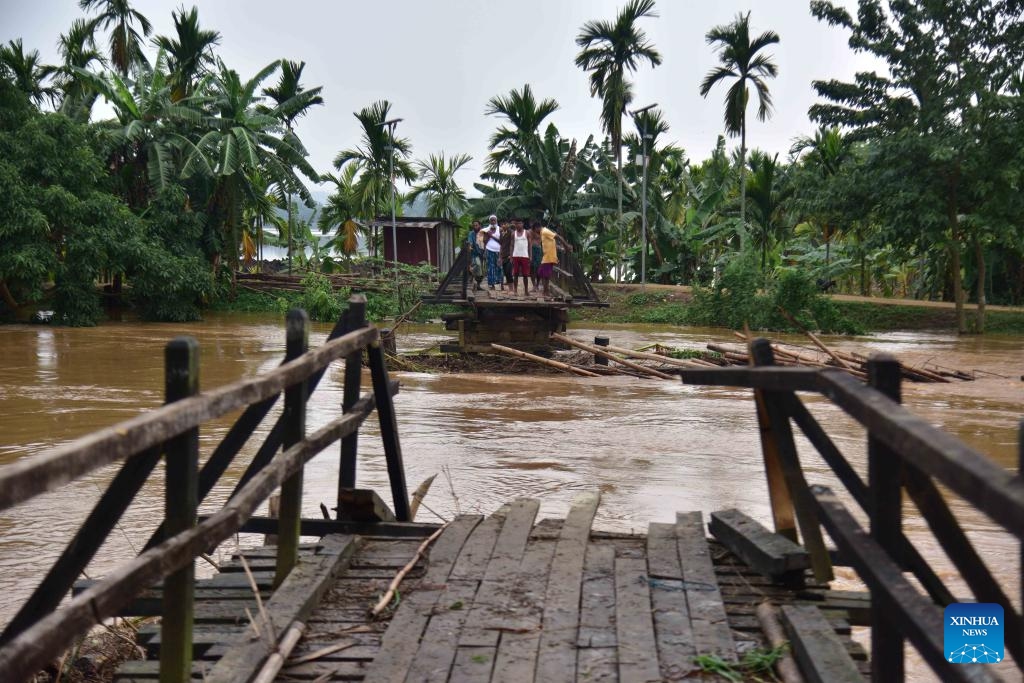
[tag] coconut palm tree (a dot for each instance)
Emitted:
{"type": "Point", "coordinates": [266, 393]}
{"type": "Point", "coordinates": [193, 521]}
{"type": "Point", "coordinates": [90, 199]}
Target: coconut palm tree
{"type": "Point", "coordinates": [525, 114]}
{"type": "Point", "coordinates": [374, 156]}
{"type": "Point", "coordinates": [610, 49]}
{"type": "Point", "coordinates": [125, 41]}
{"type": "Point", "coordinates": [741, 59]}
{"type": "Point", "coordinates": [189, 52]}
{"type": "Point", "coordinates": [25, 71]}
{"type": "Point", "coordinates": [445, 199]}
{"type": "Point", "coordinates": [78, 51]}
{"type": "Point", "coordinates": [291, 101]}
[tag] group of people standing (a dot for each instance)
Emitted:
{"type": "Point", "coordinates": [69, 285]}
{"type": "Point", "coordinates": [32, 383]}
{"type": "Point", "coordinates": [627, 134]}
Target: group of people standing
{"type": "Point", "coordinates": [517, 250]}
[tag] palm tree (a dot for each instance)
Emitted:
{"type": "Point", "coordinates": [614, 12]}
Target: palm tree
{"type": "Point", "coordinates": [741, 59]}
{"type": "Point", "coordinates": [340, 211]}
{"type": "Point", "coordinates": [769, 194]}
{"type": "Point", "coordinates": [374, 156]}
{"type": "Point", "coordinates": [609, 50]}
{"type": "Point", "coordinates": [125, 41]}
{"type": "Point", "coordinates": [291, 101]}
{"type": "Point", "coordinates": [25, 71]}
{"type": "Point", "coordinates": [78, 51]}
{"type": "Point", "coordinates": [189, 53]}
{"type": "Point", "coordinates": [524, 113]}
{"type": "Point", "coordinates": [445, 199]}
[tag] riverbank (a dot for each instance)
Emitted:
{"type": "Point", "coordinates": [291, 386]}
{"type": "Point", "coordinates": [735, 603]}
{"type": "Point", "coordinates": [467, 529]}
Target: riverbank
{"type": "Point", "coordinates": [667, 304]}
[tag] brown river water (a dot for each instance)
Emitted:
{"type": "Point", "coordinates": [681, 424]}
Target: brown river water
{"type": "Point", "coordinates": [651, 447]}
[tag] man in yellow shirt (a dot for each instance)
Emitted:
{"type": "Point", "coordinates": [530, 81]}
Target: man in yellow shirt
{"type": "Point", "coordinates": [549, 257]}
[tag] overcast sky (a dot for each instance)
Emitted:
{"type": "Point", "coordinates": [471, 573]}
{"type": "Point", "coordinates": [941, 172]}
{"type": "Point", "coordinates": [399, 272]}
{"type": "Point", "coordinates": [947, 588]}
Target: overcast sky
{"type": "Point", "coordinates": [439, 62]}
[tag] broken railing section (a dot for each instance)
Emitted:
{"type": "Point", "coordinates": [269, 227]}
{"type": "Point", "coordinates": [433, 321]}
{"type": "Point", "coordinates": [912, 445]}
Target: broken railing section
{"type": "Point", "coordinates": [39, 632]}
{"type": "Point", "coordinates": [906, 456]}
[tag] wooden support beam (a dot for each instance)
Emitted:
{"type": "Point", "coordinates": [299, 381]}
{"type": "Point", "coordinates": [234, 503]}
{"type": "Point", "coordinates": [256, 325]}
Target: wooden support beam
{"type": "Point", "coordinates": [181, 380]}
{"type": "Point", "coordinates": [822, 656]}
{"type": "Point", "coordinates": [547, 362]}
{"type": "Point", "coordinates": [789, 461]}
{"type": "Point", "coordinates": [354, 319]}
{"type": "Point", "coordinates": [389, 431]}
{"type": "Point", "coordinates": [768, 553]}
{"type": "Point", "coordinates": [296, 344]}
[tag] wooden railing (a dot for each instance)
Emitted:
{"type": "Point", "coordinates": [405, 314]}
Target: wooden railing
{"type": "Point", "coordinates": [39, 632]}
{"type": "Point", "coordinates": [906, 455]}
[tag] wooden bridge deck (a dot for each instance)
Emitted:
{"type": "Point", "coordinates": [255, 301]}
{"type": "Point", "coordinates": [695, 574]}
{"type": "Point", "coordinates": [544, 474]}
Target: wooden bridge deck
{"type": "Point", "coordinates": [504, 599]}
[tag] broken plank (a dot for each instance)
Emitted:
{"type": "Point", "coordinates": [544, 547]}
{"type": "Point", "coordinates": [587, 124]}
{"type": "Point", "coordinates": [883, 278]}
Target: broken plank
{"type": "Point", "coordinates": [293, 601]}
{"type": "Point", "coordinates": [634, 627]}
{"type": "Point", "coordinates": [768, 553]}
{"type": "Point", "coordinates": [674, 633]}
{"type": "Point", "coordinates": [711, 633]}
{"type": "Point", "coordinates": [822, 656]}
{"type": "Point", "coordinates": [556, 658]}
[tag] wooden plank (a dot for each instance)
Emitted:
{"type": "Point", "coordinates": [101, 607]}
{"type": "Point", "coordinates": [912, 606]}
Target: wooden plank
{"type": "Point", "coordinates": [294, 420]}
{"type": "Point", "coordinates": [363, 505]}
{"type": "Point", "coordinates": [472, 665]}
{"type": "Point", "coordinates": [766, 552]}
{"type": "Point", "coordinates": [389, 431]}
{"type": "Point", "coordinates": [634, 627]}
{"type": "Point", "coordinates": [293, 601]}
{"type": "Point", "coordinates": [401, 640]}
{"type": "Point", "coordinates": [597, 665]}
{"type": "Point", "coordinates": [28, 477]}
{"type": "Point", "coordinates": [353, 318]}
{"type": "Point", "coordinates": [516, 658]}
{"type": "Point", "coordinates": [323, 527]}
{"type": "Point", "coordinates": [493, 605]}
{"type": "Point", "coordinates": [711, 632]}
{"type": "Point", "coordinates": [914, 614]}
{"type": "Point", "coordinates": [822, 656]}
{"type": "Point", "coordinates": [770, 378]}
{"type": "Point", "coordinates": [556, 659]}
{"type": "Point", "coordinates": [436, 652]}
{"type": "Point", "coordinates": [476, 553]}
{"type": "Point", "coordinates": [597, 602]}
{"type": "Point", "coordinates": [673, 631]}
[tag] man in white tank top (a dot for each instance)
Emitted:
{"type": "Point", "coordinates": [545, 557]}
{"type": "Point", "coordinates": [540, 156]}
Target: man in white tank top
{"type": "Point", "coordinates": [521, 259]}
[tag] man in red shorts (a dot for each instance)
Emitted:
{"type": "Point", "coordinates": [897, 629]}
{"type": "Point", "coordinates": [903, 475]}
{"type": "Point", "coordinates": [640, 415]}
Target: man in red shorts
{"type": "Point", "coordinates": [521, 259]}
{"type": "Point", "coordinates": [549, 256]}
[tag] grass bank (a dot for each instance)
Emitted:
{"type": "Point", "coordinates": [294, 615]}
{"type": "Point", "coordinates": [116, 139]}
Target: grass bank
{"type": "Point", "coordinates": [667, 304]}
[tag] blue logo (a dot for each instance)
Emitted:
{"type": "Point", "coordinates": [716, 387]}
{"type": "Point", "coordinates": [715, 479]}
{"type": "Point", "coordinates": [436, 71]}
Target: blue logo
{"type": "Point", "coordinates": [973, 633]}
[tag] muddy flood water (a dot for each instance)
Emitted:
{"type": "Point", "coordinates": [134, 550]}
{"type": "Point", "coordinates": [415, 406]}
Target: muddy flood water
{"type": "Point", "coordinates": [651, 447]}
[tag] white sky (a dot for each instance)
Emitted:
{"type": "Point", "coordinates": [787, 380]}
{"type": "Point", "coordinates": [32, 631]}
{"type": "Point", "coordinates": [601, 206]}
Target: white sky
{"type": "Point", "coordinates": [439, 62]}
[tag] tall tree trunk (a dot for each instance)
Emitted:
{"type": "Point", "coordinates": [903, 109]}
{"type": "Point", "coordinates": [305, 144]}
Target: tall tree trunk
{"type": "Point", "coordinates": [7, 297]}
{"type": "Point", "coordinates": [289, 233]}
{"type": "Point", "coordinates": [955, 267]}
{"type": "Point", "coordinates": [618, 244]}
{"type": "Point", "coordinates": [743, 173]}
{"type": "Point", "coordinates": [979, 254]}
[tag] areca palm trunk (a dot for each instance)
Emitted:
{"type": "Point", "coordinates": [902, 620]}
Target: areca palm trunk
{"type": "Point", "coordinates": [743, 174]}
{"type": "Point", "coordinates": [618, 264]}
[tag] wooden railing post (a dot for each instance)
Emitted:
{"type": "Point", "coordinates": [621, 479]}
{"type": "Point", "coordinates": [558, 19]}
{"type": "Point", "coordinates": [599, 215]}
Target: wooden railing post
{"type": "Point", "coordinates": [181, 499]}
{"type": "Point", "coordinates": [389, 431]}
{"type": "Point", "coordinates": [886, 516]}
{"type": "Point", "coordinates": [355, 318]}
{"type": "Point", "coordinates": [296, 344]}
{"type": "Point", "coordinates": [784, 457]}
{"type": "Point", "coordinates": [778, 493]}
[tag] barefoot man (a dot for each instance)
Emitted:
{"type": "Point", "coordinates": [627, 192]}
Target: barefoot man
{"type": "Point", "coordinates": [549, 256]}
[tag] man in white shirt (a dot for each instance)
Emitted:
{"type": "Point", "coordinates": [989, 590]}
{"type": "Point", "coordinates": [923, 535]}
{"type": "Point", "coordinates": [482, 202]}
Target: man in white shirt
{"type": "Point", "coordinates": [492, 245]}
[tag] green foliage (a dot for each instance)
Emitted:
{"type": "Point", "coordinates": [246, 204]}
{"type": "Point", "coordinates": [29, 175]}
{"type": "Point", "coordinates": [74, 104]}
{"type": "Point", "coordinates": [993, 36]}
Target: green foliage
{"type": "Point", "coordinates": [756, 665]}
{"type": "Point", "coordinates": [320, 300]}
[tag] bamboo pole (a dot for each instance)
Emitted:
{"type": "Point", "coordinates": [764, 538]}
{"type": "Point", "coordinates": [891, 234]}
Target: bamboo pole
{"type": "Point", "coordinates": [597, 350]}
{"type": "Point", "coordinates": [667, 360]}
{"type": "Point", "coordinates": [786, 667]}
{"type": "Point", "coordinates": [558, 365]}
{"type": "Point", "coordinates": [817, 342]}
{"type": "Point", "coordinates": [277, 659]}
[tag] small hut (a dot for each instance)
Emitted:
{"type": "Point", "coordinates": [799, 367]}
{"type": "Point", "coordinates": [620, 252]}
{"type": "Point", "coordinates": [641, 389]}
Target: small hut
{"type": "Point", "coordinates": [420, 240]}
